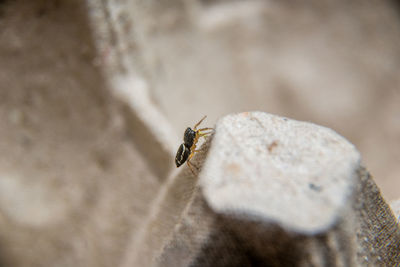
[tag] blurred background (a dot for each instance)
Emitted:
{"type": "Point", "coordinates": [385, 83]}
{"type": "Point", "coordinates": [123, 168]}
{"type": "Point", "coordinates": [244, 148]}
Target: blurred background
{"type": "Point", "coordinates": [334, 63]}
{"type": "Point", "coordinates": [68, 156]}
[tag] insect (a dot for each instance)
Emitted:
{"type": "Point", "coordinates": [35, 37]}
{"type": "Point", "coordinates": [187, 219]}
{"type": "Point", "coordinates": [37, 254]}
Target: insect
{"type": "Point", "coordinates": [187, 149]}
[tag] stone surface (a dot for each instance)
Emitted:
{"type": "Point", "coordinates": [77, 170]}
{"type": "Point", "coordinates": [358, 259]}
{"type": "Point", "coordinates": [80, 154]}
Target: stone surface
{"type": "Point", "coordinates": [284, 193]}
{"type": "Point", "coordinates": [278, 169]}
{"type": "Point", "coordinates": [166, 211]}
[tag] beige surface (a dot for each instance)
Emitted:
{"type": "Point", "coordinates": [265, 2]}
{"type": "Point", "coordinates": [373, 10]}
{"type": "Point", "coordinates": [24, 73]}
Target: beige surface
{"type": "Point", "coordinates": [70, 178]}
{"type": "Point", "coordinates": [395, 205]}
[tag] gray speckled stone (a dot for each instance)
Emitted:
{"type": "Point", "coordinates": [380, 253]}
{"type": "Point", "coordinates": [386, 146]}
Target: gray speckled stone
{"type": "Point", "coordinates": [297, 174]}
{"type": "Point", "coordinates": [280, 192]}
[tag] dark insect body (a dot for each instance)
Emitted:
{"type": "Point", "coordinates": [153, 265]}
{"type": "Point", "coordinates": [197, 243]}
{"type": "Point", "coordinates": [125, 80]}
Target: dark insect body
{"type": "Point", "coordinates": [187, 149]}
{"type": "Point", "coordinates": [182, 155]}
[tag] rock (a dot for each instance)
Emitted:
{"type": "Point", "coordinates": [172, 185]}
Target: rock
{"type": "Point", "coordinates": [282, 192]}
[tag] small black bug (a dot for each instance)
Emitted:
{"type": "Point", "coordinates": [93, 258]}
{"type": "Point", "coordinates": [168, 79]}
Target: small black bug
{"type": "Point", "coordinates": [187, 149]}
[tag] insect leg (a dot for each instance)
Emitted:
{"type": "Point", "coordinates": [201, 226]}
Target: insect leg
{"type": "Point", "coordinates": [201, 133]}
{"type": "Point", "coordinates": [188, 160]}
{"type": "Point", "coordinates": [190, 166]}
{"type": "Point", "coordinates": [206, 129]}
{"type": "Point", "coordinates": [197, 124]}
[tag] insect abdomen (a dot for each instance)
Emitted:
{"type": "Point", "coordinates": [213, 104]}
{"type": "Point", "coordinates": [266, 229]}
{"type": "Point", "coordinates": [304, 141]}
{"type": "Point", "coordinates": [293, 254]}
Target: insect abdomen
{"type": "Point", "coordinates": [182, 155]}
